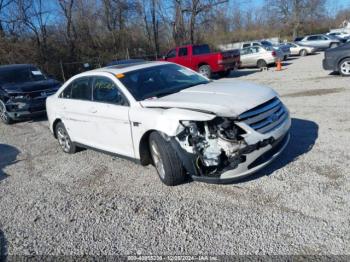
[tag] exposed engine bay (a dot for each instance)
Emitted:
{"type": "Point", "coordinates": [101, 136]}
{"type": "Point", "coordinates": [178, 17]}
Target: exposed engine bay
{"type": "Point", "coordinates": [216, 144]}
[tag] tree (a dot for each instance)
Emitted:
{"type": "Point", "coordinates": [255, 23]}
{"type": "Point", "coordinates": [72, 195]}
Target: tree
{"type": "Point", "coordinates": [296, 12]}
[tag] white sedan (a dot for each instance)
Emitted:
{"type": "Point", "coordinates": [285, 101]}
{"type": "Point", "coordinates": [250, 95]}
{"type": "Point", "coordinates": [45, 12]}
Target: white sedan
{"type": "Point", "coordinates": [296, 49]}
{"type": "Point", "coordinates": [167, 115]}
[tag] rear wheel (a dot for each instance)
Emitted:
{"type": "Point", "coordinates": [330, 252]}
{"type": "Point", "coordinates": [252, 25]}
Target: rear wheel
{"type": "Point", "coordinates": [344, 67]}
{"type": "Point", "coordinates": [64, 140]}
{"type": "Point", "coordinates": [166, 161]}
{"type": "Point", "coordinates": [5, 118]}
{"type": "Point", "coordinates": [262, 64]}
{"type": "Point", "coordinates": [205, 70]}
{"type": "Point", "coordinates": [303, 52]}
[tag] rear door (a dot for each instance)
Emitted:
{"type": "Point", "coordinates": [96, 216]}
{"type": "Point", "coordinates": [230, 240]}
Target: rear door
{"type": "Point", "coordinates": [75, 105]}
{"type": "Point", "coordinates": [110, 117]}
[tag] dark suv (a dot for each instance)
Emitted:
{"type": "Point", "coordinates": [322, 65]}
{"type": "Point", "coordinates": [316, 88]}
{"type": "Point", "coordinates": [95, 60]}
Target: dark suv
{"type": "Point", "coordinates": [338, 59]}
{"type": "Point", "coordinates": [23, 91]}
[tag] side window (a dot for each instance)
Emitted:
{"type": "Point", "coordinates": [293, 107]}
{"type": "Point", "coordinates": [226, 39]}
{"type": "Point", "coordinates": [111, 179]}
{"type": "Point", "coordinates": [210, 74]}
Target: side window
{"type": "Point", "coordinates": [104, 90]}
{"type": "Point", "coordinates": [171, 54]}
{"type": "Point", "coordinates": [79, 89]}
{"type": "Point", "coordinates": [312, 38]}
{"type": "Point", "coordinates": [183, 51]}
{"type": "Point", "coordinates": [246, 45]}
{"type": "Point", "coordinates": [256, 44]}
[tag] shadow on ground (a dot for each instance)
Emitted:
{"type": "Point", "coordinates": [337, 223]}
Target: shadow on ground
{"type": "Point", "coordinates": [3, 247]}
{"type": "Point", "coordinates": [304, 134]}
{"type": "Point", "coordinates": [8, 155]}
{"type": "Point", "coordinates": [39, 118]}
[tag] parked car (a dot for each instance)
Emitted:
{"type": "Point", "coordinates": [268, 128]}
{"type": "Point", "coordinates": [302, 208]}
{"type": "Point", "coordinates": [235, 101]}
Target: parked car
{"type": "Point", "coordinates": [338, 59]}
{"type": "Point", "coordinates": [296, 49]}
{"type": "Point", "coordinates": [258, 56]}
{"type": "Point", "coordinates": [168, 115]}
{"type": "Point", "coordinates": [341, 35]}
{"type": "Point", "coordinates": [23, 91]}
{"type": "Point", "coordinates": [282, 52]}
{"type": "Point", "coordinates": [320, 42]}
{"type": "Point", "coordinates": [202, 60]}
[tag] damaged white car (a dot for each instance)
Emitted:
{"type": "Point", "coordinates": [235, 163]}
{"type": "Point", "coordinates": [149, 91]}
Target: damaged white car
{"type": "Point", "coordinates": [167, 115]}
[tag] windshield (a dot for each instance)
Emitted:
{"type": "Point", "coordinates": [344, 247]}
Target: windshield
{"type": "Point", "coordinates": [159, 81]}
{"type": "Point", "coordinates": [22, 74]}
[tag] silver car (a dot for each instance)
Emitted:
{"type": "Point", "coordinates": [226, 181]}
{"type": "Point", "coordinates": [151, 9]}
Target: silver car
{"type": "Point", "coordinates": [296, 49]}
{"type": "Point", "coordinates": [321, 42]}
{"type": "Point", "coordinates": [282, 52]}
{"type": "Point", "coordinates": [258, 56]}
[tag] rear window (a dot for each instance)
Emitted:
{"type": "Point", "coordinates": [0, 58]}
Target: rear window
{"type": "Point", "coordinates": [201, 49]}
{"type": "Point", "coordinates": [21, 74]}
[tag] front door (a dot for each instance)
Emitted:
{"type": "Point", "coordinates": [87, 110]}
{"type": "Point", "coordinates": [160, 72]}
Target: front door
{"type": "Point", "coordinates": [110, 118]}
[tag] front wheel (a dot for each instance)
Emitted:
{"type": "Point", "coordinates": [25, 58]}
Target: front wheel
{"type": "Point", "coordinates": [205, 70]}
{"type": "Point", "coordinates": [344, 67]}
{"type": "Point", "coordinates": [166, 161]}
{"type": "Point", "coordinates": [5, 118]}
{"type": "Point", "coordinates": [64, 140]}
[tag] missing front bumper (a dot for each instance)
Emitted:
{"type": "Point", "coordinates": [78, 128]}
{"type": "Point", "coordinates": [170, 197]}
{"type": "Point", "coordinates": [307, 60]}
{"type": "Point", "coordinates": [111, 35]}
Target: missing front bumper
{"type": "Point", "coordinates": [256, 157]}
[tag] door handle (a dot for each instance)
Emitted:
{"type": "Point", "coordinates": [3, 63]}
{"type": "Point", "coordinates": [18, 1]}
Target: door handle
{"type": "Point", "coordinates": [93, 110]}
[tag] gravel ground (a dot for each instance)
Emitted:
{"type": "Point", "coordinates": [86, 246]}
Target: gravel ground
{"type": "Point", "coordinates": [91, 203]}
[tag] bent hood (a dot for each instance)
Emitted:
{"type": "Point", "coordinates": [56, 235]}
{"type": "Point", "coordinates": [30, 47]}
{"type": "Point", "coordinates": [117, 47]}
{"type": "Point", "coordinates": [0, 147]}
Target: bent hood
{"type": "Point", "coordinates": [227, 99]}
{"type": "Point", "coordinates": [28, 87]}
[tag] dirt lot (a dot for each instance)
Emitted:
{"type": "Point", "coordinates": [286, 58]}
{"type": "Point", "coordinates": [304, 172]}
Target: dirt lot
{"type": "Point", "coordinates": [91, 203]}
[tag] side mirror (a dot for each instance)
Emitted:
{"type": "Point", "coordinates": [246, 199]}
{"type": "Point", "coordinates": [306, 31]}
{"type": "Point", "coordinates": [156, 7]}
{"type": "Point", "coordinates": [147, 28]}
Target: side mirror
{"type": "Point", "coordinates": [164, 57]}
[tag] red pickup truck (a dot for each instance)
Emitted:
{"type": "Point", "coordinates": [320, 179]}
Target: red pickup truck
{"type": "Point", "coordinates": [200, 59]}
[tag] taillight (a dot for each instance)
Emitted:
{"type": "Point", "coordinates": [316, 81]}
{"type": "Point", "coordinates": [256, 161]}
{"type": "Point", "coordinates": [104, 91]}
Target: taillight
{"type": "Point", "coordinates": [273, 53]}
{"type": "Point", "coordinates": [220, 58]}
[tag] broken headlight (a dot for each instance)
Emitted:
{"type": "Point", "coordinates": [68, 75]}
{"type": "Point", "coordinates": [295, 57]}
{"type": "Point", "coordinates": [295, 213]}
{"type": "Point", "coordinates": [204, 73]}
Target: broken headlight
{"type": "Point", "coordinates": [214, 142]}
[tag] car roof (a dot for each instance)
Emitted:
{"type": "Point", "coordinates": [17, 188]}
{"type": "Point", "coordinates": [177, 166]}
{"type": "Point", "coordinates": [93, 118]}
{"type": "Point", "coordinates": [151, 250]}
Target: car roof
{"type": "Point", "coordinates": [124, 68]}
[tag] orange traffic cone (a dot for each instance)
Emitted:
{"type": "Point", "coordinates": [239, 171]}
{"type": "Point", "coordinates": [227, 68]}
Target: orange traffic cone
{"type": "Point", "coordinates": [279, 65]}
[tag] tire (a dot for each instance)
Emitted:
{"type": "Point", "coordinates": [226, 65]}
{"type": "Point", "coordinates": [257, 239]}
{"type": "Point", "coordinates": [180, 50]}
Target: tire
{"type": "Point", "coordinates": [64, 140]}
{"type": "Point", "coordinates": [4, 117]}
{"type": "Point", "coordinates": [224, 73]}
{"type": "Point", "coordinates": [303, 52]}
{"type": "Point", "coordinates": [333, 45]}
{"type": "Point", "coordinates": [261, 64]}
{"type": "Point", "coordinates": [168, 165]}
{"type": "Point", "coordinates": [205, 70]}
{"type": "Point", "coordinates": [344, 67]}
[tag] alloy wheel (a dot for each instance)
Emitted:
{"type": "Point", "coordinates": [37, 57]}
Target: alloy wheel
{"type": "Point", "coordinates": [3, 114]}
{"type": "Point", "coordinates": [345, 68]}
{"type": "Point", "coordinates": [204, 71]}
{"type": "Point", "coordinates": [157, 159]}
{"type": "Point", "coordinates": [63, 139]}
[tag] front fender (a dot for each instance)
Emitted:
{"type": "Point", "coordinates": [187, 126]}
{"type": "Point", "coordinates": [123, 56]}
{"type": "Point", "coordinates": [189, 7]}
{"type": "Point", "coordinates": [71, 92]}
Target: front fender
{"type": "Point", "coordinates": [145, 120]}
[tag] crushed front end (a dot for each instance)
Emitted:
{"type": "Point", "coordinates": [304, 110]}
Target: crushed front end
{"type": "Point", "coordinates": [224, 149]}
{"type": "Point", "coordinates": [26, 104]}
